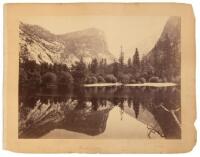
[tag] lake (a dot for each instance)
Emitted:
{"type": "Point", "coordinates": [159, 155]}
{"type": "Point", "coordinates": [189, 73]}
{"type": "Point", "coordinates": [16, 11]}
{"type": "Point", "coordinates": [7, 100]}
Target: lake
{"type": "Point", "coordinates": [124, 112]}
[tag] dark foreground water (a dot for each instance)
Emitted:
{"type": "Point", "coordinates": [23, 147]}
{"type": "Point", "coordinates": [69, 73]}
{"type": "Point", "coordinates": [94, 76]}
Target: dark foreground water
{"type": "Point", "coordinates": [100, 112]}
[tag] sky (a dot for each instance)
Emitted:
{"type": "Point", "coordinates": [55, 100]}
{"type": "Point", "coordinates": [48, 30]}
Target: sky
{"type": "Point", "coordinates": [131, 32]}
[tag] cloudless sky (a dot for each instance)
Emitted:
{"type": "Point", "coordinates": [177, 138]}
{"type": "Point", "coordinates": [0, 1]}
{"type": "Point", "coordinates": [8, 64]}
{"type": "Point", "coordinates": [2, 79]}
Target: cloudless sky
{"type": "Point", "coordinates": [129, 31]}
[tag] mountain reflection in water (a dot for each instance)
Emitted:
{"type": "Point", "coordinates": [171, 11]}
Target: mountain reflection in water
{"type": "Point", "coordinates": [101, 112]}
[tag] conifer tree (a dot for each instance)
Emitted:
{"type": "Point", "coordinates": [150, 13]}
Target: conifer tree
{"type": "Point", "coordinates": [115, 69]}
{"type": "Point", "coordinates": [121, 58]}
{"type": "Point", "coordinates": [94, 66]}
{"type": "Point", "coordinates": [79, 72]}
{"type": "Point", "coordinates": [129, 62]}
{"type": "Point", "coordinates": [136, 59]}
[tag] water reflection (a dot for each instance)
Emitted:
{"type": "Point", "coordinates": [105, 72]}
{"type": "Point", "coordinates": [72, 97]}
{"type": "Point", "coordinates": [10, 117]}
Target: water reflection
{"type": "Point", "coordinates": [100, 112]}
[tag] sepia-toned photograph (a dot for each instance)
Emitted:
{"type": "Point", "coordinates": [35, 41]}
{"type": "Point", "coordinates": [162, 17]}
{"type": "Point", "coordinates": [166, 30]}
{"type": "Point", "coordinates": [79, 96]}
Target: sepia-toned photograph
{"type": "Point", "coordinates": [100, 77]}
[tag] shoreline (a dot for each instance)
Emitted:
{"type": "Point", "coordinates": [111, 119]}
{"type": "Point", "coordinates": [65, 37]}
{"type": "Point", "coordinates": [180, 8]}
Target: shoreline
{"type": "Point", "coordinates": [166, 84]}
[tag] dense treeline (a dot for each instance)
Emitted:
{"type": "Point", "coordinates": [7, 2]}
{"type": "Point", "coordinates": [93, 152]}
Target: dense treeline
{"type": "Point", "coordinates": [134, 71]}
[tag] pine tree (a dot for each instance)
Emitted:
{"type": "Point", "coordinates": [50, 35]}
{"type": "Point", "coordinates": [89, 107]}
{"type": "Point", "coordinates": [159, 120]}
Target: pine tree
{"type": "Point", "coordinates": [105, 65]}
{"type": "Point", "coordinates": [101, 66]}
{"type": "Point", "coordinates": [136, 64]}
{"type": "Point", "coordinates": [94, 66]}
{"type": "Point", "coordinates": [79, 72]}
{"type": "Point", "coordinates": [129, 62]}
{"type": "Point", "coordinates": [121, 58]}
{"type": "Point", "coordinates": [115, 69]}
{"type": "Point", "coordinates": [101, 63]}
{"type": "Point", "coordinates": [136, 59]}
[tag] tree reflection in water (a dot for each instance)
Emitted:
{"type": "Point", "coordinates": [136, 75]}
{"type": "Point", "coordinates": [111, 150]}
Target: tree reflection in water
{"type": "Point", "coordinates": [86, 110]}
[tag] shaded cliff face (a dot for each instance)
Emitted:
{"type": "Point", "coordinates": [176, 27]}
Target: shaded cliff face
{"type": "Point", "coordinates": [165, 57]}
{"type": "Point", "coordinates": [40, 45]}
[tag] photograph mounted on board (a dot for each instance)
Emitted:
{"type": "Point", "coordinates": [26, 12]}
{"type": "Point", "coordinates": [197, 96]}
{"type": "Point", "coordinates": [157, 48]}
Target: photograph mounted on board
{"type": "Point", "coordinates": [94, 78]}
{"type": "Point", "coordinates": [91, 80]}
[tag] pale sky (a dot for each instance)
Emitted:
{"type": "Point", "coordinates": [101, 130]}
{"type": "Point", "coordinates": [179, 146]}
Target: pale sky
{"type": "Point", "coordinates": [129, 31]}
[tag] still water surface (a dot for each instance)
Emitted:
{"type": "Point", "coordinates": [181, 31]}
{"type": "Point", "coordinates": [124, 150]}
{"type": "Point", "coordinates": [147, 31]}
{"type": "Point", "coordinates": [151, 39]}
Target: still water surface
{"type": "Point", "coordinates": [101, 112]}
